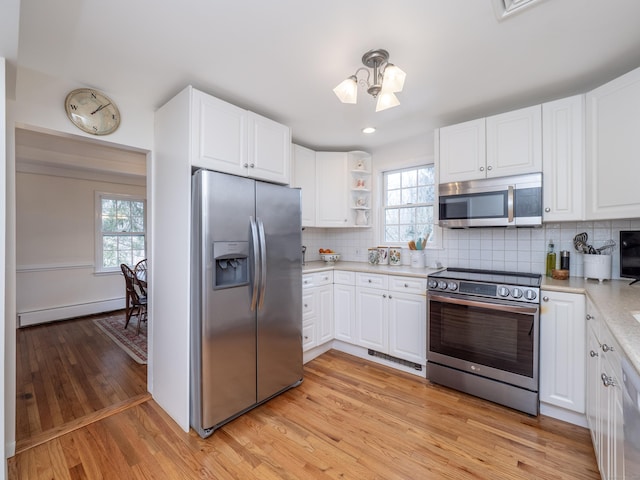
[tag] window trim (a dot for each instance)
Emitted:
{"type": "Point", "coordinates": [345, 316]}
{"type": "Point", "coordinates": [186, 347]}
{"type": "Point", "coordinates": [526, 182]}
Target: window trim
{"type": "Point", "coordinates": [99, 195]}
{"type": "Point", "coordinates": [436, 243]}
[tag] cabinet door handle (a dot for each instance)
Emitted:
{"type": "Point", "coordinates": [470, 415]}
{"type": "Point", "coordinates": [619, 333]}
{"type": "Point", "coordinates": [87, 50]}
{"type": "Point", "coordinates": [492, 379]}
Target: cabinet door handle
{"type": "Point", "coordinates": [607, 381]}
{"type": "Point", "coordinates": [547, 209]}
{"type": "Point", "coordinates": [593, 354]}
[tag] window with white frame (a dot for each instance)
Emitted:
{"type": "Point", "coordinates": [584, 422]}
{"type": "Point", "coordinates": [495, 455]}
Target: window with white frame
{"type": "Point", "coordinates": [408, 204]}
{"type": "Point", "coordinates": [120, 231]}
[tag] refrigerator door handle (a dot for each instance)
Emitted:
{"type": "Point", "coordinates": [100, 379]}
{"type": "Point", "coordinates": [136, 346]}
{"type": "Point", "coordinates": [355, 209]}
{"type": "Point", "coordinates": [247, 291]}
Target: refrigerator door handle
{"type": "Point", "coordinates": [263, 263]}
{"type": "Point", "coordinates": [256, 264]}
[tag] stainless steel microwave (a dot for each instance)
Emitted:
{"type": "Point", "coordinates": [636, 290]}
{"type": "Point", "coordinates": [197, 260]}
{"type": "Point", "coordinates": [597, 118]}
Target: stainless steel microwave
{"type": "Point", "coordinates": [514, 201]}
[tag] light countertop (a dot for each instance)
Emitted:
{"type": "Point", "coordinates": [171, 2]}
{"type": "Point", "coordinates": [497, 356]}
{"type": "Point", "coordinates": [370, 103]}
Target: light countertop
{"type": "Point", "coordinates": [403, 270]}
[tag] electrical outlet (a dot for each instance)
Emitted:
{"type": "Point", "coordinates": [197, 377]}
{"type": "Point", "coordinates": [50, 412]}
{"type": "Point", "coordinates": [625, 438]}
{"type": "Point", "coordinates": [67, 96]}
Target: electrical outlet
{"type": "Point", "coordinates": [357, 252]}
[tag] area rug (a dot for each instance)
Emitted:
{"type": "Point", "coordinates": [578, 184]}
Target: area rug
{"type": "Point", "coordinates": [134, 345]}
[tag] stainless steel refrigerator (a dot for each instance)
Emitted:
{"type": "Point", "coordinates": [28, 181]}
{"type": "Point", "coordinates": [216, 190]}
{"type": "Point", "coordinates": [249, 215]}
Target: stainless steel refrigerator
{"type": "Point", "coordinates": [246, 314]}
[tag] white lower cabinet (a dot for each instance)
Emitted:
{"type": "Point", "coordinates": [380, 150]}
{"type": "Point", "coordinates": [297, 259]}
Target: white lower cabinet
{"type": "Point", "coordinates": [344, 306]}
{"type": "Point", "coordinates": [562, 350]}
{"type": "Point", "coordinates": [391, 315]}
{"type": "Point", "coordinates": [604, 397]}
{"type": "Point", "coordinates": [317, 309]}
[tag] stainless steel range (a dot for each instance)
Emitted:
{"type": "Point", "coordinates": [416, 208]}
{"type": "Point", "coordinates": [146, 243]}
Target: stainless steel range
{"type": "Point", "coordinates": [483, 334]}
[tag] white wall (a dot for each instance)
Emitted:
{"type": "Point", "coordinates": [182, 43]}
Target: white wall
{"type": "Point", "coordinates": [55, 233]}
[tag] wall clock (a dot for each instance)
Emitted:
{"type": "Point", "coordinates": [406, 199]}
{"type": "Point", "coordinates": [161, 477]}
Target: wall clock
{"type": "Point", "coordinates": [92, 112]}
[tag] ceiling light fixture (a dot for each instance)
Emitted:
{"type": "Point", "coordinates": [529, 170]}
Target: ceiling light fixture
{"type": "Point", "coordinates": [368, 129]}
{"type": "Point", "coordinates": [387, 81]}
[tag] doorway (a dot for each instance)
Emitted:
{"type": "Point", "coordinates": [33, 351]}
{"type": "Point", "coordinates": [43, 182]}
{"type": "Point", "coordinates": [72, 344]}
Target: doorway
{"type": "Point", "coordinates": [57, 177]}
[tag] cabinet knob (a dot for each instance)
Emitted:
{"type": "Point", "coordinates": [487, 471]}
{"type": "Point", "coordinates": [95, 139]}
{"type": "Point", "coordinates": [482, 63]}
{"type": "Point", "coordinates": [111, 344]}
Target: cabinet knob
{"type": "Point", "coordinates": [589, 317]}
{"type": "Point", "coordinates": [246, 165]}
{"type": "Point", "coordinates": [306, 337]}
{"type": "Point", "coordinates": [545, 299]}
{"type": "Point", "coordinates": [406, 285]}
{"type": "Point", "coordinates": [252, 165]}
{"type": "Point", "coordinates": [305, 305]}
{"type": "Point", "coordinates": [606, 348]}
{"type": "Point", "coordinates": [390, 297]}
{"type": "Point", "coordinates": [482, 169]}
{"type": "Point", "coordinates": [306, 281]}
{"type": "Point", "coordinates": [593, 354]}
{"type": "Point", "coordinates": [369, 280]}
{"type": "Point", "coordinates": [384, 295]}
{"type": "Point", "coordinates": [489, 167]}
{"type": "Point", "coordinates": [547, 209]}
{"type": "Point", "coordinates": [607, 381]}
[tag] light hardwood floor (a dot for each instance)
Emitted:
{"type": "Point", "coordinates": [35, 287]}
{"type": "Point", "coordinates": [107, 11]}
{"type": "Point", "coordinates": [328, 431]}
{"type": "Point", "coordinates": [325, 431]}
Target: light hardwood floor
{"type": "Point", "coordinates": [350, 419]}
{"type": "Point", "coordinates": [68, 372]}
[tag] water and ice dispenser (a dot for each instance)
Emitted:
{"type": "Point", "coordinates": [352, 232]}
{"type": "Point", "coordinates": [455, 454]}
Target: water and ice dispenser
{"type": "Point", "coordinates": [231, 261]}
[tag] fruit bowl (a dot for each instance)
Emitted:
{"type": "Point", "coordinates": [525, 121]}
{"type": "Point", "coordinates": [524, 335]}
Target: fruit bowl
{"type": "Point", "coordinates": [330, 258]}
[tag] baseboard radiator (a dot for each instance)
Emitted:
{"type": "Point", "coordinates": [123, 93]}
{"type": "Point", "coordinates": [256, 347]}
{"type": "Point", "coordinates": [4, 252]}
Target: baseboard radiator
{"type": "Point", "coordinates": [68, 311]}
{"type": "Point", "coordinates": [384, 356]}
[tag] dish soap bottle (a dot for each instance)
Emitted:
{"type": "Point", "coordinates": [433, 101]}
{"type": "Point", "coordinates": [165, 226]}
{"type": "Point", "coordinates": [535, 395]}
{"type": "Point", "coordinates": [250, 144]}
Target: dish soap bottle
{"type": "Point", "coordinates": [551, 259]}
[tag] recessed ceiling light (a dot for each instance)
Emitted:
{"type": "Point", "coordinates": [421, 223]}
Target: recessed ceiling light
{"type": "Point", "coordinates": [368, 130]}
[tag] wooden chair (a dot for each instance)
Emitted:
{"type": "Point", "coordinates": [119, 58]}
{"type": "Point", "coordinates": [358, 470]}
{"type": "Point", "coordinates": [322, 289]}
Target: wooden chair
{"type": "Point", "coordinates": [136, 297]}
{"type": "Point", "coordinates": [141, 274]}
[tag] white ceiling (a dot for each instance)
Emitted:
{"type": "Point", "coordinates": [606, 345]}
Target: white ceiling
{"type": "Point", "coordinates": [282, 58]}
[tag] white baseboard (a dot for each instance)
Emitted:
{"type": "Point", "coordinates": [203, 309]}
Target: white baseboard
{"type": "Point", "coordinates": [69, 311]}
{"type": "Point", "coordinates": [563, 414]}
{"type": "Point", "coordinates": [9, 449]}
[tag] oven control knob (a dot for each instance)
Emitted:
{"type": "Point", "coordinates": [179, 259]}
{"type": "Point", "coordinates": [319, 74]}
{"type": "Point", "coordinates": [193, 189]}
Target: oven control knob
{"type": "Point", "coordinates": [516, 293]}
{"type": "Point", "coordinates": [432, 283]}
{"type": "Point", "coordinates": [530, 295]}
{"type": "Point", "coordinates": [503, 291]}
{"type": "Point", "coordinates": [452, 286]}
{"type": "Point", "coordinates": [442, 285]}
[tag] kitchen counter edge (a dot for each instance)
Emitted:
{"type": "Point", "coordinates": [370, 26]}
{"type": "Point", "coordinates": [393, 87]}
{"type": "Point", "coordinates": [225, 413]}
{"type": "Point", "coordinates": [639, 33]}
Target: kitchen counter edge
{"type": "Point", "coordinates": [399, 270]}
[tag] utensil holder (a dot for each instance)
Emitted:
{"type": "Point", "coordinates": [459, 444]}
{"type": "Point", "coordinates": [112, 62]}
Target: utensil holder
{"type": "Point", "coordinates": [597, 267]}
{"type": "Point", "coordinates": [417, 259]}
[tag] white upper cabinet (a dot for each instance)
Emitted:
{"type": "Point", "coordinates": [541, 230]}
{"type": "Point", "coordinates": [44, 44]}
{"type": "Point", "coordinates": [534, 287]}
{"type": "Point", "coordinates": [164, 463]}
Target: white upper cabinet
{"type": "Point", "coordinates": [563, 159]}
{"type": "Point", "coordinates": [304, 178]}
{"type": "Point", "coordinates": [332, 189]}
{"type": "Point", "coordinates": [514, 142]}
{"type": "Point", "coordinates": [505, 144]}
{"type": "Point", "coordinates": [463, 151]}
{"type": "Point", "coordinates": [613, 149]}
{"type": "Point", "coordinates": [269, 149]}
{"type": "Point", "coordinates": [230, 139]}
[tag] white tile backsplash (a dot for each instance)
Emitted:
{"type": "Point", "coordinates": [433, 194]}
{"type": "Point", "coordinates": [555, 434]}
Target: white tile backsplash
{"type": "Point", "coordinates": [522, 249]}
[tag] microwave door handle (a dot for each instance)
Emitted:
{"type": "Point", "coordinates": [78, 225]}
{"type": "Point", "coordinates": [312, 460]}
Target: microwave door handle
{"type": "Point", "coordinates": [487, 305]}
{"type": "Point", "coordinates": [510, 194]}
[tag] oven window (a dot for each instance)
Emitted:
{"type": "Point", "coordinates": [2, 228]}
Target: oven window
{"type": "Point", "coordinates": [497, 339]}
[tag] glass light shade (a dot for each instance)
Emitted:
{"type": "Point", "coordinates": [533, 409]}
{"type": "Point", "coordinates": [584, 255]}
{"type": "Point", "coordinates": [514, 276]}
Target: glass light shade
{"type": "Point", "coordinates": [347, 91]}
{"type": "Point", "coordinates": [393, 80]}
{"type": "Point", "coordinates": [386, 100]}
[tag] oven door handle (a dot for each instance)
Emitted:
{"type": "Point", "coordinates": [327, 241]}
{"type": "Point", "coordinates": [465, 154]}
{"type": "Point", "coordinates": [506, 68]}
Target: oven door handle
{"type": "Point", "coordinates": [510, 195]}
{"type": "Point", "coordinates": [490, 306]}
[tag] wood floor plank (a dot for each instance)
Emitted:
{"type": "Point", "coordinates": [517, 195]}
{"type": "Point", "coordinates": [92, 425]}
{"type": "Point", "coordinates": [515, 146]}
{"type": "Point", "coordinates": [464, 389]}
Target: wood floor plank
{"type": "Point", "coordinates": [349, 419]}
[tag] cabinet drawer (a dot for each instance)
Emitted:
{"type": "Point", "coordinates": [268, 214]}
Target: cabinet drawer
{"type": "Point", "coordinates": [372, 280]}
{"type": "Point", "coordinates": [344, 278]}
{"type": "Point", "coordinates": [308, 304]}
{"type": "Point", "coordinates": [417, 286]}
{"type": "Point", "coordinates": [317, 279]}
